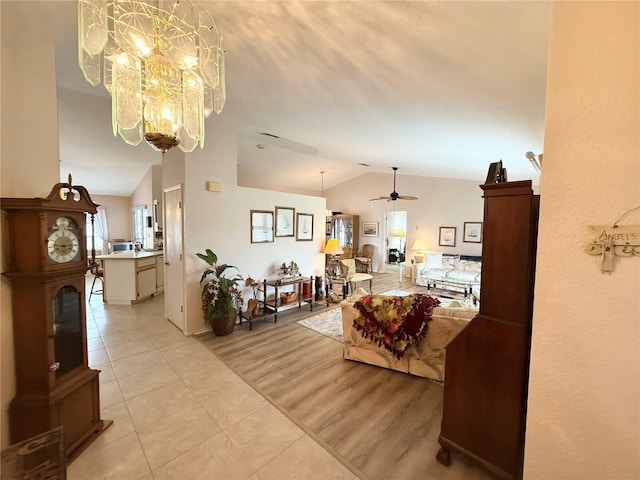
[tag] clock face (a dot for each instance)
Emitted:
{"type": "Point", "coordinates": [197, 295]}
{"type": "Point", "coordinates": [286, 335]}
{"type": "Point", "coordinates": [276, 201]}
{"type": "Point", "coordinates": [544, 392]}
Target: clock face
{"type": "Point", "coordinates": [63, 244]}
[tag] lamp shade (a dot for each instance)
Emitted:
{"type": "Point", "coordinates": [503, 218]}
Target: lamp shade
{"type": "Point", "coordinates": [419, 245]}
{"type": "Point", "coordinates": [333, 247]}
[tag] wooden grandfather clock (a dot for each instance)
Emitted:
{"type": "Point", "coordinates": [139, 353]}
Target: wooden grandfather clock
{"type": "Point", "coordinates": [46, 263]}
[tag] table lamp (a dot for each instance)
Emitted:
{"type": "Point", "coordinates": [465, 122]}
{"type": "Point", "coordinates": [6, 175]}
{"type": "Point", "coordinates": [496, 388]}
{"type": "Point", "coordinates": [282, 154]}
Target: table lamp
{"type": "Point", "coordinates": [333, 250]}
{"type": "Point", "coordinates": [419, 246]}
{"type": "Point", "coordinates": [402, 234]}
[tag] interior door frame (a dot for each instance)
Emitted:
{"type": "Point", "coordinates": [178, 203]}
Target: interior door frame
{"type": "Point", "coordinates": [174, 298]}
{"type": "Point", "coordinates": [387, 228]}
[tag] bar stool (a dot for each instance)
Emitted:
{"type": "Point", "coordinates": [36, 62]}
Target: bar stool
{"type": "Point", "coordinates": [98, 273]}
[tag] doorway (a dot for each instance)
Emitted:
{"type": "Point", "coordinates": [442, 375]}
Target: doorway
{"type": "Point", "coordinates": [173, 245]}
{"type": "Point", "coordinates": [396, 238]}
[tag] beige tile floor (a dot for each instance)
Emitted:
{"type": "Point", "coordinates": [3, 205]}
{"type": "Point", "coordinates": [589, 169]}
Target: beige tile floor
{"type": "Point", "coordinates": [179, 413]}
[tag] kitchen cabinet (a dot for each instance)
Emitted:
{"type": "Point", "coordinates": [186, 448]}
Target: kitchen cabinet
{"type": "Point", "coordinates": [129, 277]}
{"type": "Point", "coordinates": [160, 273]}
{"type": "Point", "coordinates": [145, 278]}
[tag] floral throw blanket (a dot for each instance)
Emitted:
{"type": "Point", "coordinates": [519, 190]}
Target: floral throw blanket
{"type": "Point", "coordinates": [394, 322]}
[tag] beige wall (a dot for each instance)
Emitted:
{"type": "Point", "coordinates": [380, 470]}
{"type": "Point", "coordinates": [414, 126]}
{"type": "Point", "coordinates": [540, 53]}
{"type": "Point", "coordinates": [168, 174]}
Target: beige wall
{"type": "Point", "coordinates": [583, 419]}
{"type": "Point", "coordinates": [118, 214]}
{"type": "Point", "coordinates": [29, 168]}
{"type": "Point", "coordinates": [220, 220]}
{"type": "Point", "coordinates": [441, 202]}
{"type": "Point", "coordinates": [143, 196]}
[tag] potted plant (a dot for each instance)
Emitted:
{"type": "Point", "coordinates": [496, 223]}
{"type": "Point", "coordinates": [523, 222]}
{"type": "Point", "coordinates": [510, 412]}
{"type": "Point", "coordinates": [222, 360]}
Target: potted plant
{"type": "Point", "coordinates": [221, 295]}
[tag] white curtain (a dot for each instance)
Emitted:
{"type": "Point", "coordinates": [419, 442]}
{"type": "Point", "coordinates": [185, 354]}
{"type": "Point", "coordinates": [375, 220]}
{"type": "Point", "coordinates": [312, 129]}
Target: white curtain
{"type": "Point", "coordinates": [101, 230]}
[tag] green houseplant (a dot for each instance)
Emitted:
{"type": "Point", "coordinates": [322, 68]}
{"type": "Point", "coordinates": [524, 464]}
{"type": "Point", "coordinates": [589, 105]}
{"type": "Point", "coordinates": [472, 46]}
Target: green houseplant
{"type": "Point", "coordinates": [221, 295]}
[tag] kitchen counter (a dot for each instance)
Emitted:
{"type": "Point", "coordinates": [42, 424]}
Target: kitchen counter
{"type": "Point", "coordinates": [130, 277]}
{"type": "Point", "coordinates": [130, 255]}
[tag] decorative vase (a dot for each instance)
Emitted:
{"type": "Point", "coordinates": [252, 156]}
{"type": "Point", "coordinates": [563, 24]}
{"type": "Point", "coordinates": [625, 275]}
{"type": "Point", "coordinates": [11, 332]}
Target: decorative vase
{"type": "Point", "coordinates": [223, 324]}
{"type": "Point", "coordinates": [252, 307]}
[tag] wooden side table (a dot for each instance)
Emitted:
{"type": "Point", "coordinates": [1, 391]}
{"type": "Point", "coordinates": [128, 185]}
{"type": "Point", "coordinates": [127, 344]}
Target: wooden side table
{"type": "Point", "coordinates": [303, 286]}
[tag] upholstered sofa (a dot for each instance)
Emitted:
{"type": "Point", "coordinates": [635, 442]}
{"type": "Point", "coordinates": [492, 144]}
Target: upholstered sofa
{"type": "Point", "coordinates": [425, 361]}
{"type": "Point", "coordinates": [460, 273]}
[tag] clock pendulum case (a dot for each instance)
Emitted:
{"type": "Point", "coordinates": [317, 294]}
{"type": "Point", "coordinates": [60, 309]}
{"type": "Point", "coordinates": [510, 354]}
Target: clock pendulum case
{"type": "Point", "coordinates": [46, 262]}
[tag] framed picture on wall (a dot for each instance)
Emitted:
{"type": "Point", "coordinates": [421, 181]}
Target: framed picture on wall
{"type": "Point", "coordinates": [304, 227]}
{"type": "Point", "coordinates": [447, 237]}
{"type": "Point", "coordinates": [284, 221]}
{"type": "Point", "coordinates": [472, 232]}
{"type": "Point", "coordinates": [369, 229]}
{"type": "Point", "coordinates": [261, 226]}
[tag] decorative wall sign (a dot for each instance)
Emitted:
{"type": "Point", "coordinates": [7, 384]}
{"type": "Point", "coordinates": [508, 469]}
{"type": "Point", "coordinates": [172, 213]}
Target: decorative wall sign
{"type": "Point", "coordinates": [613, 240]}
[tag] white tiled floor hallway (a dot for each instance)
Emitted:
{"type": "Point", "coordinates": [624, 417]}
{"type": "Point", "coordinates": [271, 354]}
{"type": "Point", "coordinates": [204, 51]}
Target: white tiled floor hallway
{"type": "Point", "coordinates": [179, 413]}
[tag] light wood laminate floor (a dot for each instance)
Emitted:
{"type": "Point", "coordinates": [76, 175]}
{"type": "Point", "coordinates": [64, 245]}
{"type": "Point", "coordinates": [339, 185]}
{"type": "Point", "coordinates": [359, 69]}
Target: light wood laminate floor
{"type": "Point", "coordinates": [381, 423]}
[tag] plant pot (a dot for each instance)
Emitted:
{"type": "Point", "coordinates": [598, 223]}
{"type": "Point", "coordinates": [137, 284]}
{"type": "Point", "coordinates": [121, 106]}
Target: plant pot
{"type": "Point", "coordinates": [224, 324]}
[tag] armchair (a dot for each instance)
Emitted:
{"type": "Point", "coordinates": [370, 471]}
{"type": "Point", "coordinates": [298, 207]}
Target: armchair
{"type": "Point", "coordinates": [347, 252]}
{"type": "Point", "coordinates": [349, 267]}
{"type": "Point", "coordinates": [346, 276]}
{"type": "Point", "coordinates": [364, 259]}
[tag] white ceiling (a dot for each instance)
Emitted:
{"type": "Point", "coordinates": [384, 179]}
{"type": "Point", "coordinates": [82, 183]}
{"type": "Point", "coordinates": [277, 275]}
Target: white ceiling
{"type": "Point", "coordinates": [437, 88]}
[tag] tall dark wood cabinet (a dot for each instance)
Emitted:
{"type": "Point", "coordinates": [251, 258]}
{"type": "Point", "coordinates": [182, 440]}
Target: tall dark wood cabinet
{"type": "Point", "coordinates": [46, 261]}
{"type": "Point", "coordinates": [487, 366]}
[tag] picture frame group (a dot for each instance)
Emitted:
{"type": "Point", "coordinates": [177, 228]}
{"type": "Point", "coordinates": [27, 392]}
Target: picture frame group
{"type": "Point", "coordinates": [266, 225]}
{"type": "Point", "coordinates": [471, 233]}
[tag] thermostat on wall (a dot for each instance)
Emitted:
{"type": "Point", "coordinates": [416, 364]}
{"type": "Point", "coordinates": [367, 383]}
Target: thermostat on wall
{"type": "Point", "coordinates": [214, 187]}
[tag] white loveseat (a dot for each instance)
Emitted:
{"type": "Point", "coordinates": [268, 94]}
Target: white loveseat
{"type": "Point", "coordinates": [425, 361]}
{"type": "Point", "coordinates": [460, 273]}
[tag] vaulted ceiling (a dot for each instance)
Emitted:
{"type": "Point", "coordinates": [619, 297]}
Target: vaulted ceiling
{"type": "Point", "coordinates": [435, 88]}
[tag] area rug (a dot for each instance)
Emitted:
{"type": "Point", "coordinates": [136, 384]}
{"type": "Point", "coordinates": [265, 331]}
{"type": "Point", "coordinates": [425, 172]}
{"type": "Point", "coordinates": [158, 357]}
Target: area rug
{"type": "Point", "coordinates": [327, 323]}
{"type": "Point", "coordinates": [399, 293]}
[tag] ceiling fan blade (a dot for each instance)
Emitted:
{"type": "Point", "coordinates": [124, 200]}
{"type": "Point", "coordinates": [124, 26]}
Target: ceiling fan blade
{"type": "Point", "coordinates": [394, 195]}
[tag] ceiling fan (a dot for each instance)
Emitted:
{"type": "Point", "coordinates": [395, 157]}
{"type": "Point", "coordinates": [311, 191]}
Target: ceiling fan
{"type": "Point", "coordinates": [393, 196]}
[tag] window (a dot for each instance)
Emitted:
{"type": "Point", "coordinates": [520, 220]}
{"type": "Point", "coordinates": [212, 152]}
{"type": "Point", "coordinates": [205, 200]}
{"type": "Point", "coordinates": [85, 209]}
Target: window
{"type": "Point", "coordinates": [96, 241]}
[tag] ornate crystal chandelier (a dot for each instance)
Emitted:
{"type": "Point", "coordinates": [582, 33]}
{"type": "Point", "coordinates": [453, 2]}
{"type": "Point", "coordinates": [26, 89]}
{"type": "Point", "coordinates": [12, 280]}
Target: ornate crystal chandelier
{"type": "Point", "coordinates": [162, 63]}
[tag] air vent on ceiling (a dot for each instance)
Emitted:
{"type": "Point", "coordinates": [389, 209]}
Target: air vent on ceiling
{"type": "Point", "coordinates": [269, 135]}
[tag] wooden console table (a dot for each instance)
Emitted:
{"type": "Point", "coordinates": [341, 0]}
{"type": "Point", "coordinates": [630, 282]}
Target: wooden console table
{"type": "Point", "coordinates": [271, 305]}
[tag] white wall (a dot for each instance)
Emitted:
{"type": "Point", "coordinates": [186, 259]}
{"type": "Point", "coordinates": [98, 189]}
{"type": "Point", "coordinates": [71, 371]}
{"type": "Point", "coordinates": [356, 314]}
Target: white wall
{"type": "Point", "coordinates": [441, 202]}
{"type": "Point", "coordinates": [143, 196]}
{"type": "Point", "coordinates": [583, 412]}
{"type": "Point", "coordinates": [118, 215]}
{"type": "Point", "coordinates": [29, 165]}
{"type": "Point", "coordinates": [221, 220]}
